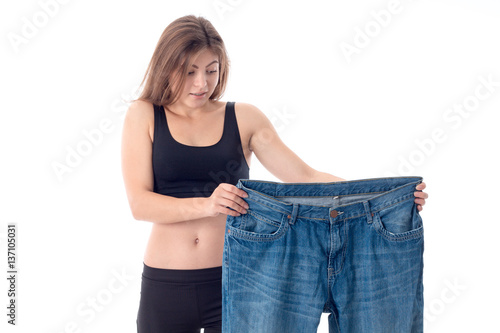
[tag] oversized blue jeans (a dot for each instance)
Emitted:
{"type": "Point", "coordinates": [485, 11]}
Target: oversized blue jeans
{"type": "Point", "coordinates": [353, 249]}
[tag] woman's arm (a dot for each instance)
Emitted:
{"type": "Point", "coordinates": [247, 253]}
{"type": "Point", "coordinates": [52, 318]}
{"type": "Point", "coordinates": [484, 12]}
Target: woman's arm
{"type": "Point", "coordinates": [273, 154]}
{"type": "Point", "coordinates": [137, 171]}
{"type": "Point", "coordinates": [281, 161]}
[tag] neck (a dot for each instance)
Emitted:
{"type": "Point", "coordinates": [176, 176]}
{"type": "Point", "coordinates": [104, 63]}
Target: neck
{"type": "Point", "coordinates": [189, 111]}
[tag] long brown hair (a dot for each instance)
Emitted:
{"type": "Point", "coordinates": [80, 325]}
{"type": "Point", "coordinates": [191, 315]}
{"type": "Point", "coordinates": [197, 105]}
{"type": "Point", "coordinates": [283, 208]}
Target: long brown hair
{"type": "Point", "coordinates": [181, 41]}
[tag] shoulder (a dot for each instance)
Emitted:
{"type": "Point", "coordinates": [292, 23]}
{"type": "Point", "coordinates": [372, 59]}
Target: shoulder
{"type": "Point", "coordinates": [253, 124]}
{"type": "Point", "coordinates": [140, 116]}
{"type": "Point", "coordinates": [249, 114]}
{"type": "Point", "coordinates": [140, 109]}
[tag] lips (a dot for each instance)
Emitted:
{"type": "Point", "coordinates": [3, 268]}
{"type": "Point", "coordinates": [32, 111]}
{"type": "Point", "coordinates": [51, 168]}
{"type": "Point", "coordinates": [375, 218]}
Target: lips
{"type": "Point", "coordinates": [199, 94]}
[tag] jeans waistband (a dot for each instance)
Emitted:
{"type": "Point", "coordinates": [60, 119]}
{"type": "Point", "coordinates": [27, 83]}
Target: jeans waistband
{"type": "Point", "coordinates": [327, 201]}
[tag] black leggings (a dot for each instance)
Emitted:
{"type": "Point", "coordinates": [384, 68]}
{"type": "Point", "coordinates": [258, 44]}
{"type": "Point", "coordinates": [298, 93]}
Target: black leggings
{"type": "Point", "coordinates": [180, 301]}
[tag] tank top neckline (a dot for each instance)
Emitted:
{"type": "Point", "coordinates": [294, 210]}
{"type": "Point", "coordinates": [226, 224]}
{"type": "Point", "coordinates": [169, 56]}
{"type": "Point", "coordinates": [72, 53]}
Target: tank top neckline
{"type": "Point", "coordinates": [197, 147]}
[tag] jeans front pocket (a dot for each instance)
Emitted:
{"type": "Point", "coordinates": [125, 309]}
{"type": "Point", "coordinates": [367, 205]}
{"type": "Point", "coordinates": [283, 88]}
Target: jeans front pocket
{"type": "Point", "coordinates": [399, 222]}
{"type": "Point", "coordinates": [257, 226]}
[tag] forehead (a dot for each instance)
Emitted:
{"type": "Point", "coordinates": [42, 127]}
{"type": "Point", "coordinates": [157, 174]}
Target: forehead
{"type": "Point", "coordinates": [204, 57]}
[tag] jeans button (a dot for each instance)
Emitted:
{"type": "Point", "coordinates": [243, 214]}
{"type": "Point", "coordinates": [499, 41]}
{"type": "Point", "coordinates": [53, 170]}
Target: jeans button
{"type": "Point", "coordinates": [334, 213]}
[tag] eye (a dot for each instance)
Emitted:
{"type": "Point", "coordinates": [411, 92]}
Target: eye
{"type": "Point", "coordinates": [212, 72]}
{"type": "Point", "coordinates": [190, 73]}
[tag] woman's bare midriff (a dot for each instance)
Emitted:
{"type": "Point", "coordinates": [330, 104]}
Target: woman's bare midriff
{"type": "Point", "coordinates": [194, 244]}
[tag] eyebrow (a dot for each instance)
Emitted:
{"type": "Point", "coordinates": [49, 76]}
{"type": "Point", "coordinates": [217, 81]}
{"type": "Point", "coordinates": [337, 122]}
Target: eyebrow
{"type": "Point", "coordinates": [207, 65]}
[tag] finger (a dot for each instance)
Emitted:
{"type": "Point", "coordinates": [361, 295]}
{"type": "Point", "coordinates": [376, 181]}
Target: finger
{"type": "Point", "coordinates": [225, 203]}
{"type": "Point", "coordinates": [237, 199]}
{"type": "Point", "coordinates": [419, 208]}
{"type": "Point", "coordinates": [423, 195]}
{"type": "Point", "coordinates": [420, 202]}
{"type": "Point", "coordinates": [231, 212]}
{"type": "Point", "coordinates": [421, 186]}
{"type": "Point", "coordinates": [233, 189]}
{"type": "Point", "coordinates": [229, 195]}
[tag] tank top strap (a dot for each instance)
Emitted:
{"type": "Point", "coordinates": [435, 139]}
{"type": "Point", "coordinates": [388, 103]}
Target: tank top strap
{"type": "Point", "coordinates": [230, 124]}
{"type": "Point", "coordinates": [161, 130]}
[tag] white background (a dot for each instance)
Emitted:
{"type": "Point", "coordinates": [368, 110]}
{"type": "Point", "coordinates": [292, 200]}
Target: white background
{"type": "Point", "coordinates": [369, 114]}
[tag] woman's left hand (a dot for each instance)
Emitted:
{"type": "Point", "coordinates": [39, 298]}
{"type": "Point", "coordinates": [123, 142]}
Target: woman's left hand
{"type": "Point", "coordinates": [420, 196]}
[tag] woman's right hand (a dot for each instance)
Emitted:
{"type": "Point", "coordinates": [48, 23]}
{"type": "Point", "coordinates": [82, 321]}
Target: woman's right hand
{"type": "Point", "coordinates": [227, 199]}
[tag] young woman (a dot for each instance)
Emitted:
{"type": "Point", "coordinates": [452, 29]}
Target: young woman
{"type": "Point", "coordinates": [183, 150]}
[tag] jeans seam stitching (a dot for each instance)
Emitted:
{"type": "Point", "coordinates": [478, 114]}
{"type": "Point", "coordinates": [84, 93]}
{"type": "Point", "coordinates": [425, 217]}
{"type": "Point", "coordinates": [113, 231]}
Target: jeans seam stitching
{"type": "Point", "coordinates": [344, 247]}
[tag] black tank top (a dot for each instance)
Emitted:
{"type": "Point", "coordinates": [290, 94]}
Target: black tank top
{"type": "Point", "coordinates": [184, 171]}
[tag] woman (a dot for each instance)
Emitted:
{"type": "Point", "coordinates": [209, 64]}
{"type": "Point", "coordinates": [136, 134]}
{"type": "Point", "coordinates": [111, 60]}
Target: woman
{"type": "Point", "coordinates": [183, 150]}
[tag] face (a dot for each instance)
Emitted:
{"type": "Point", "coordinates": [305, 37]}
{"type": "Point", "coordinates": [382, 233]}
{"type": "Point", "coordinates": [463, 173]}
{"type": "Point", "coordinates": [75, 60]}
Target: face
{"type": "Point", "coordinates": [201, 80]}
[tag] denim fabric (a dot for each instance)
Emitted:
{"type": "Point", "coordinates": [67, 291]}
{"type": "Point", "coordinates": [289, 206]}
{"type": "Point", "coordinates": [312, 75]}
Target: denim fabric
{"type": "Point", "coordinates": [353, 249]}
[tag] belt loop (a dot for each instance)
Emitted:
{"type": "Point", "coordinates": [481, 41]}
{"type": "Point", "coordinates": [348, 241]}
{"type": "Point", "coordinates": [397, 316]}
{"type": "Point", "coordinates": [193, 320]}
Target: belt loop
{"type": "Point", "coordinates": [293, 216]}
{"type": "Point", "coordinates": [369, 214]}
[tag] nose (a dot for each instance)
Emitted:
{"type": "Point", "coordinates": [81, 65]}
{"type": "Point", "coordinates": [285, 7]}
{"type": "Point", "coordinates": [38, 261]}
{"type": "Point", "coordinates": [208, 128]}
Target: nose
{"type": "Point", "coordinates": [200, 80]}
